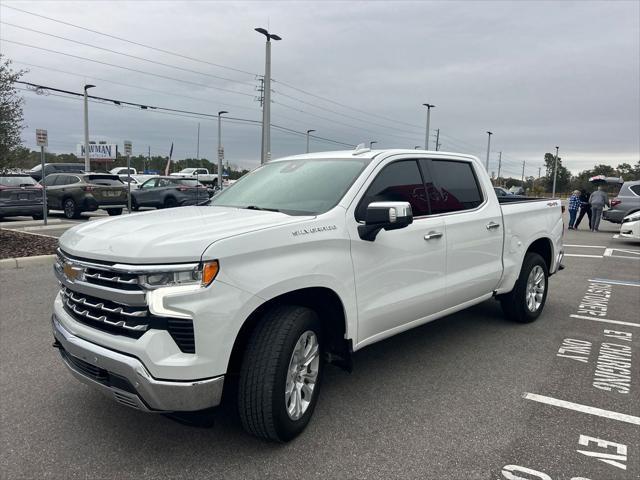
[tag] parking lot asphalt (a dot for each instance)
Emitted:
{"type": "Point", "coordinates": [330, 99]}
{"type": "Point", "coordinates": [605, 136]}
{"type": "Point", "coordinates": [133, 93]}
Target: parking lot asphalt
{"type": "Point", "coordinates": [470, 396]}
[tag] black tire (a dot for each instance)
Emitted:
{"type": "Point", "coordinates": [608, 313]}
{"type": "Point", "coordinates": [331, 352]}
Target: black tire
{"type": "Point", "coordinates": [70, 208]}
{"type": "Point", "coordinates": [114, 211]}
{"type": "Point", "coordinates": [514, 304]}
{"type": "Point", "coordinates": [134, 204]}
{"type": "Point", "coordinates": [170, 202]}
{"type": "Point", "coordinates": [265, 367]}
{"type": "Point", "coordinates": [37, 217]}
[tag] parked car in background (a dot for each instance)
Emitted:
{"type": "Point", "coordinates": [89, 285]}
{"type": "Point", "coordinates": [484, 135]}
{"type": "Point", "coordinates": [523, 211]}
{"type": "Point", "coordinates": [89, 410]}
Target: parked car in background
{"type": "Point", "coordinates": [626, 202]}
{"type": "Point", "coordinates": [49, 168]}
{"type": "Point", "coordinates": [123, 171]}
{"type": "Point", "coordinates": [501, 192]}
{"type": "Point", "coordinates": [516, 190]}
{"type": "Point", "coordinates": [87, 192]}
{"type": "Point", "coordinates": [168, 192]}
{"type": "Point", "coordinates": [630, 227]}
{"type": "Point", "coordinates": [202, 174]}
{"type": "Point", "coordinates": [20, 195]}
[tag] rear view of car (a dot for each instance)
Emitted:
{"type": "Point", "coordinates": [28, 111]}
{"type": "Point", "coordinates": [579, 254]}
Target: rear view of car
{"type": "Point", "coordinates": [627, 202]}
{"type": "Point", "coordinates": [20, 195]}
{"type": "Point", "coordinates": [75, 194]}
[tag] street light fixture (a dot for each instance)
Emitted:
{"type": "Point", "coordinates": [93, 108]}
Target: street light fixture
{"type": "Point", "coordinates": [87, 163]}
{"type": "Point", "coordinates": [220, 148]}
{"type": "Point", "coordinates": [266, 103]}
{"type": "Point", "coordinates": [555, 173]}
{"type": "Point", "coordinates": [488, 149]}
{"type": "Point", "coordinates": [426, 135]}
{"type": "Point", "coordinates": [371, 144]}
{"type": "Point", "coordinates": [308, 132]}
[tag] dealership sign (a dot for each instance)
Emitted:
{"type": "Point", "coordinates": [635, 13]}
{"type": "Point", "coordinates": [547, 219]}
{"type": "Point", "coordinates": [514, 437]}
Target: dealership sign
{"type": "Point", "coordinates": [101, 151]}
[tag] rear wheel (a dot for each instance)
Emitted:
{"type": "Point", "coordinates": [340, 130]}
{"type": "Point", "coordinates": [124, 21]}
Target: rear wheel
{"type": "Point", "coordinates": [114, 211]}
{"type": "Point", "coordinates": [37, 217]}
{"type": "Point", "coordinates": [134, 204]}
{"type": "Point", "coordinates": [527, 299]}
{"type": "Point", "coordinates": [170, 202]}
{"type": "Point", "coordinates": [281, 374]}
{"type": "Point", "coordinates": [70, 208]}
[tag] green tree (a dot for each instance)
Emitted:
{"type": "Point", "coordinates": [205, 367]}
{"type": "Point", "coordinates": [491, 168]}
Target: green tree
{"type": "Point", "coordinates": [563, 177]}
{"type": "Point", "coordinates": [11, 118]}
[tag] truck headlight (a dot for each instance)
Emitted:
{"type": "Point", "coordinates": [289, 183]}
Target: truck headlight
{"type": "Point", "coordinates": [202, 275]}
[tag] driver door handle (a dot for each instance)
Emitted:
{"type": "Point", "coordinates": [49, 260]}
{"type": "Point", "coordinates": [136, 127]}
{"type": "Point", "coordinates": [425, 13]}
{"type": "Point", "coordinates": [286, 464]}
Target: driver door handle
{"type": "Point", "coordinates": [432, 234]}
{"type": "Point", "coordinates": [492, 225]}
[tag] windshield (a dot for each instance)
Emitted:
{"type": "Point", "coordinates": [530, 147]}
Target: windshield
{"type": "Point", "coordinates": [294, 187]}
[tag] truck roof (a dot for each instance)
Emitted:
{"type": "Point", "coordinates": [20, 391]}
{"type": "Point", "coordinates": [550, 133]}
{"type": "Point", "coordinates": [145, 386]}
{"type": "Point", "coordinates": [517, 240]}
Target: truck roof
{"type": "Point", "coordinates": [365, 153]}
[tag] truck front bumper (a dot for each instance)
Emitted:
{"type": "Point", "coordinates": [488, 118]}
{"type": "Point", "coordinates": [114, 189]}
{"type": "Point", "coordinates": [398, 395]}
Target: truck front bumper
{"type": "Point", "coordinates": [125, 379]}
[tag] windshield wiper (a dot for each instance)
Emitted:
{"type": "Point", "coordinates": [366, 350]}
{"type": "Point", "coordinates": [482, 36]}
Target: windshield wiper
{"type": "Point", "coordinates": [255, 207]}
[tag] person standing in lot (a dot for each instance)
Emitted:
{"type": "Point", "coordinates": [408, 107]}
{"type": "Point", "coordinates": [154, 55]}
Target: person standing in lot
{"type": "Point", "coordinates": [574, 205]}
{"type": "Point", "coordinates": [597, 200]}
{"type": "Point", "coordinates": [585, 208]}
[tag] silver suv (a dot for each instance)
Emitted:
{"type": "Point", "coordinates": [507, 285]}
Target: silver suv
{"type": "Point", "coordinates": [627, 201]}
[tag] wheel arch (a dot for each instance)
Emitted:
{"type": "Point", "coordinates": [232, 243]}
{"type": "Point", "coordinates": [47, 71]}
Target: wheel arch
{"type": "Point", "coordinates": [544, 247]}
{"type": "Point", "coordinates": [330, 308]}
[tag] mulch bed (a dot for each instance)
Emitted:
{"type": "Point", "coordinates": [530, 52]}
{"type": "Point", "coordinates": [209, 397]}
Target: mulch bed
{"type": "Point", "coordinates": [18, 244]}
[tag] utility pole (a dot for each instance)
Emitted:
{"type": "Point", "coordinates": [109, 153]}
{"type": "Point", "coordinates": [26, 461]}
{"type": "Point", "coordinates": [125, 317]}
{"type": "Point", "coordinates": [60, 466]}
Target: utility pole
{"type": "Point", "coordinates": [42, 140]}
{"type": "Point", "coordinates": [539, 172]}
{"type": "Point", "coordinates": [265, 153]}
{"type": "Point", "coordinates": [555, 173]}
{"type": "Point", "coordinates": [127, 152]}
{"type": "Point", "coordinates": [220, 148]}
{"type": "Point", "coordinates": [87, 162]}
{"type": "Point", "coordinates": [308, 132]}
{"type": "Point", "coordinates": [198, 144]}
{"type": "Point", "coordinates": [148, 157]}
{"type": "Point", "coordinates": [488, 150]}
{"type": "Point", "coordinates": [426, 135]}
{"type": "Point", "coordinates": [522, 179]}
{"type": "Point", "coordinates": [499, 166]}
{"type": "Point", "coordinates": [437, 140]}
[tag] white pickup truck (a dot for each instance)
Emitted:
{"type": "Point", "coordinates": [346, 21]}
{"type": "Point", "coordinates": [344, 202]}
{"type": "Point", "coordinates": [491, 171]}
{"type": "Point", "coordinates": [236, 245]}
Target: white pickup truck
{"type": "Point", "coordinates": [302, 262]}
{"type": "Point", "coordinates": [202, 174]}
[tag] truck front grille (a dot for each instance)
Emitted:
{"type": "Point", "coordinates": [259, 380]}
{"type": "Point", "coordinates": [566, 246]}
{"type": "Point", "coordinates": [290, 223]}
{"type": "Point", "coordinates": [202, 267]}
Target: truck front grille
{"type": "Point", "coordinates": [130, 317]}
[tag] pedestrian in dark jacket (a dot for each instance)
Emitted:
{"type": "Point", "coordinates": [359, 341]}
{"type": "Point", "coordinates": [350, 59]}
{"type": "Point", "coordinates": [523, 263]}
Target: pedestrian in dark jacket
{"type": "Point", "coordinates": [585, 209]}
{"type": "Point", "coordinates": [598, 200]}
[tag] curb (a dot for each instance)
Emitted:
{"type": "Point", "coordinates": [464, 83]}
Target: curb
{"type": "Point", "coordinates": [21, 262]}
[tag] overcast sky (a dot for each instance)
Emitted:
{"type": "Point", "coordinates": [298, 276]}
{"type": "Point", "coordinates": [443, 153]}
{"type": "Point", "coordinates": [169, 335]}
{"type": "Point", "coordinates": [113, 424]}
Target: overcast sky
{"type": "Point", "coordinates": [537, 74]}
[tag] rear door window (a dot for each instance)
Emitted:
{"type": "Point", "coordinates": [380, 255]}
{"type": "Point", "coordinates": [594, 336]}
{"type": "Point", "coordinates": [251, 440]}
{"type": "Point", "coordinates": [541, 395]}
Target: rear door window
{"type": "Point", "coordinates": [456, 186]}
{"type": "Point", "coordinates": [397, 182]}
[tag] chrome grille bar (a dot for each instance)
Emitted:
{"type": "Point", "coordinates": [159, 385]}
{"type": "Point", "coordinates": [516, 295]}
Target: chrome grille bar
{"type": "Point", "coordinates": [115, 278]}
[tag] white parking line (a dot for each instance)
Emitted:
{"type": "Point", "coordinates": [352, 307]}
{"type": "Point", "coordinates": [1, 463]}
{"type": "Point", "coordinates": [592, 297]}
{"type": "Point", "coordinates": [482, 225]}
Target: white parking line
{"type": "Point", "coordinates": [622, 417]}
{"type": "Point", "coordinates": [606, 320]}
{"type": "Point", "coordinates": [581, 255]}
{"type": "Point", "coordinates": [628, 283]}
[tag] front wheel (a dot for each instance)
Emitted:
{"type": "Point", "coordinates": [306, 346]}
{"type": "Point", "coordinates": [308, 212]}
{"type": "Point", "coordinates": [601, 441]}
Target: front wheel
{"type": "Point", "coordinates": [526, 301]}
{"type": "Point", "coordinates": [114, 211]}
{"type": "Point", "coordinates": [281, 374]}
{"type": "Point", "coordinates": [170, 202]}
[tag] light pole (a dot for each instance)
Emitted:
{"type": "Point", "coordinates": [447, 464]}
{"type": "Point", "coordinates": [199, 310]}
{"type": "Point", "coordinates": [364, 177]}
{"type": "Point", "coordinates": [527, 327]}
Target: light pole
{"type": "Point", "coordinates": [555, 173]}
{"type": "Point", "coordinates": [266, 103]}
{"type": "Point", "coordinates": [308, 132]}
{"type": "Point", "coordinates": [87, 163]}
{"type": "Point", "coordinates": [371, 144]}
{"type": "Point", "coordinates": [488, 149]}
{"type": "Point", "coordinates": [426, 135]}
{"type": "Point", "coordinates": [220, 148]}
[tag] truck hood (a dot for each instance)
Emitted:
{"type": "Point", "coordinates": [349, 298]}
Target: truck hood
{"type": "Point", "coordinates": [166, 236]}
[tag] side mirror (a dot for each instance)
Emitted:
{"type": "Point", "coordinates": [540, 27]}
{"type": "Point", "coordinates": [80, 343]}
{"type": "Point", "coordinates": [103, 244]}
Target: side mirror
{"type": "Point", "coordinates": [385, 215]}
